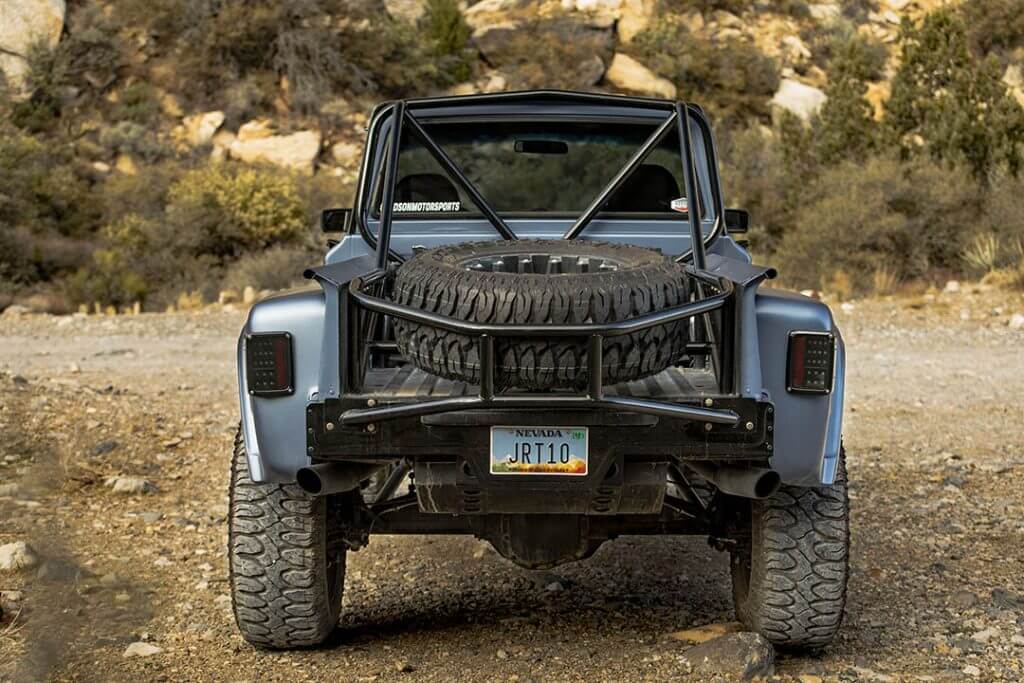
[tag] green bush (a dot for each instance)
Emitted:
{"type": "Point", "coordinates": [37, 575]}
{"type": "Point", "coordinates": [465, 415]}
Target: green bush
{"type": "Point", "coordinates": [908, 218]}
{"type": "Point", "coordinates": [845, 127]}
{"type": "Point", "coordinates": [230, 210]}
{"type": "Point", "coordinates": [734, 79]}
{"type": "Point", "coordinates": [957, 106]}
{"type": "Point", "coordinates": [994, 25]}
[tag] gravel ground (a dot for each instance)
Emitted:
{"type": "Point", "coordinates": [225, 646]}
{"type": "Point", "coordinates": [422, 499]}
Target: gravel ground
{"type": "Point", "coordinates": [90, 406]}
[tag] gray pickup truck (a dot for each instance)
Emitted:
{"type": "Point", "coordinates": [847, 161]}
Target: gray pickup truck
{"type": "Point", "coordinates": [539, 328]}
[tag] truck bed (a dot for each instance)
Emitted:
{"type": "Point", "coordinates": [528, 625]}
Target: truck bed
{"type": "Point", "coordinates": [408, 381]}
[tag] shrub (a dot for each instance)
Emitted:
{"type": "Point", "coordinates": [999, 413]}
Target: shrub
{"type": "Point", "coordinates": [845, 127]}
{"type": "Point", "coordinates": [128, 137]}
{"type": "Point", "coordinates": [109, 279]}
{"type": "Point", "coordinates": [956, 104]}
{"type": "Point", "coordinates": [276, 268]}
{"type": "Point", "coordinates": [908, 217]}
{"type": "Point", "coordinates": [137, 103]}
{"type": "Point", "coordinates": [227, 210]}
{"type": "Point", "coordinates": [734, 79]}
{"type": "Point", "coordinates": [449, 34]}
{"type": "Point", "coordinates": [994, 25]}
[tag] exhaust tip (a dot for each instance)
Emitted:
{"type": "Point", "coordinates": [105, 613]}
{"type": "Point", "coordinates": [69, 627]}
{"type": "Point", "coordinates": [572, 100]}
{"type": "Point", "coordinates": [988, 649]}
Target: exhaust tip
{"type": "Point", "coordinates": [767, 484]}
{"type": "Point", "coordinates": [309, 481]}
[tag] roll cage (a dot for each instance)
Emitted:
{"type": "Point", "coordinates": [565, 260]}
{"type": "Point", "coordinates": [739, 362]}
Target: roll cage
{"type": "Point", "coordinates": [358, 295]}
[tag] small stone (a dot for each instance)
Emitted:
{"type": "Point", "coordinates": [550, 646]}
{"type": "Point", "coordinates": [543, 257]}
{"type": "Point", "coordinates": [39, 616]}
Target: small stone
{"type": "Point", "coordinates": [74, 368]}
{"type": "Point", "coordinates": [249, 295]}
{"type": "Point", "coordinates": [404, 666]}
{"type": "Point", "coordinates": [952, 287]}
{"type": "Point", "coordinates": [111, 579]}
{"type": "Point", "coordinates": [1016, 321]}
{"type": "Point", "coordinates": [1017, 639]}
{"type": "Point", "coordinates": [17, 555]}
{"type": "Point", "coordinates": [702, 634]}
{"type": "Point", "coordinates": [171, 443]}
{"type": "Point", "coordinates": [985, 635]}
{"type": "Point", "coordinates": [141, 649]}
{"type": "Point", "coordinates": [971, 670]}
{"type": "Point", "coordinates": [963, 600]}
{"type": "Point", "coordinates": [150, 517]}
{"type": "Point", "coordinates": [809, 678]}
{"type": "Point", "coordinates": [130, 485]}
{"type": "Point", "coordinates": [501, 654]}
{"type": "Point", "coordinates": [104, 447]}
{"type": "Point", "coordinates": [740, 656]}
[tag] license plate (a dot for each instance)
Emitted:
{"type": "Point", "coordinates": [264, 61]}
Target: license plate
{"type": "Point", "coordinates": [539, 450]}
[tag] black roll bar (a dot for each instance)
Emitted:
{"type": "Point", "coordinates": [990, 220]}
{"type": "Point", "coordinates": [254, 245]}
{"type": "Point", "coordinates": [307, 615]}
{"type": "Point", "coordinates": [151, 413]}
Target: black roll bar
{"type": "Point", "coordinates": [402, 114]}
{"type": "Point", "coordinates": [620, 178]}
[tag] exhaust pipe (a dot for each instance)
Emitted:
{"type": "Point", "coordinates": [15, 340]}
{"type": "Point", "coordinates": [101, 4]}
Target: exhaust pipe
{"type": "Point", "coordinates": [332, 477]}
{"type": "Point", "coordinates": [746, 482]}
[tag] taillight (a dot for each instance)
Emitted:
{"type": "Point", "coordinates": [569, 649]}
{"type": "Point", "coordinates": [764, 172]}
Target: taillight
{"type": "Point", "coordinates": [268, 364]}
{"type": "Point", "coordinates": [810, 363]}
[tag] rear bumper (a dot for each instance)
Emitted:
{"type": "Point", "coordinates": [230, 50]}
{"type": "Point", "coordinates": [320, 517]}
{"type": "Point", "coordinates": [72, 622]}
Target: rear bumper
{"type": "Point", "coordinates": [629, 455]}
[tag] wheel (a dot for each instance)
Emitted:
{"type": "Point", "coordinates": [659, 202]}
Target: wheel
{"type": "Point", "coordinates": [541, 282]}
{"type": "Point", "coordinates": [789, 577]}
{"type": "Point", "coordinates": [286, 583]}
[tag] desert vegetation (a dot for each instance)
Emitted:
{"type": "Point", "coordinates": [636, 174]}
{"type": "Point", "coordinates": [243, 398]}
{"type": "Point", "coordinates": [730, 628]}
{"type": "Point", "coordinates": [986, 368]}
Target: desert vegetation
{"type": "Point", "coordinates": [117, 190]}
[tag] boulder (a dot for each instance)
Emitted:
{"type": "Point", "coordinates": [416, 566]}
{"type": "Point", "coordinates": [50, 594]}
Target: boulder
{"type": "Point", "coordinates": [483, 13]}
{"type": "Point", "coordinates": [17, 555]}
{"type": "Point", "coordinates": [22, 23]}
{"type": "Point", "coordinates": [255, 129]}
{"type": "Point", "coordinates": [634, 17]}
{"type": "Point", "coordinates": [347, 154]}
{"type": "Point", "coordinates": [200, 128]}
{"type": "Point", "coordinates": [1014, 81]}
{"type": "Point", "coordinates": [406, 10]}
{"type": "Point", "coordinates": [802, 100]}
{"type": "Point", "coordinates": [736, 657]}
{"type": "Point", "coordinates": [824, 12]}
{"type": "Point", "coordinates": [625, 73]}
{"type": "Point", "coordinates": [297, 151]}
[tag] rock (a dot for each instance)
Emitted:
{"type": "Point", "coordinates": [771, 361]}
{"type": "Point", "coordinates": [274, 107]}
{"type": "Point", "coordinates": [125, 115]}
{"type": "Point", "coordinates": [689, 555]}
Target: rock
{"type": "Point", "coordinates": [297, 151]}
{"type": "Point", "coordinates": [802, 100]}
{"type": "Point", "coordinates": [200, 128]}
{"type": "Point", "coordinates": [952, 287]}
{"type": "Point", "coordinates": [877, 95]}
{"type": "Point", "coordinates": [228, 296]}
{"type": "Point", "coordinates": [249, 295]}
{"type": "Point", "coordinates": [404, 667]}
{"type": "Point", "coordinates": [141, 649]}
{"type": "Point", "coordinates": [702, 634]}
{"type": "Point", "coordinates": [1004, 599]}
{"type": "Point", "coordinates": [824, 12]}
{"type": "Point", "coordinates": [101, 167]}
{"type": "Point", "coordinates": [17, 555]}
{"type": "Point", "coordinates": [971, 670]}
{"type": "Point", "coordinates": [126, 164]}
{"type": "Point", "coordinates": [593, 5]}
{"type": "Point", "coordinates": [347, 154]}
{"type": "Point", "coordinates": [477, 15]}
{"type": "Point", "coordinates": [810, 678]}
{"type": "Point", "coordinates": [15, 311]}
{"type": "Point", "coordinates": [171, 105]}
{"type": "Point", "coordinates": [634, 17]}
{"type": "Point", "coordinates": [1016, 321]}
{"type": "Point", "coordinates": [130, 485]}
{"type": "Point", "coordinates": [795, 49]}
{"type": "Point", "coordinates": [23, 23]}
{"type": "Point", "coordinates": [255, 129]}
{"type": "Point", "coordinates": [625, 73]}
{"type": "Point", "coordinates": [406, 10]}
{"type": "Point", "coordinates": [985, 635]}
{"type": "Point", "coordinates": [739, 656]}
{"type": "Point", "coordinates": [104, 447]}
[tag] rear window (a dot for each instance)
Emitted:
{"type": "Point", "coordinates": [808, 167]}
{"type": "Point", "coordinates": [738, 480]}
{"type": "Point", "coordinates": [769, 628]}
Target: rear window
{"type": "Point", "coordinates": [524, 167]}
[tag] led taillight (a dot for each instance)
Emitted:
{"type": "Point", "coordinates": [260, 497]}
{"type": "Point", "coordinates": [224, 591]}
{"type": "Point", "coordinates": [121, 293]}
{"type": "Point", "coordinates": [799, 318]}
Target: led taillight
{"type": "Point", "coordinates": [268, 364]}
{"type": "Point", "coordinates": [810, 362]}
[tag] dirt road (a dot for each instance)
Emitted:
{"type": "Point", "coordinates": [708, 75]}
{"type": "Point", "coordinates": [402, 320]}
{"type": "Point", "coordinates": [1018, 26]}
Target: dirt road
{"type": "Point", "coordinates": [936, 447]}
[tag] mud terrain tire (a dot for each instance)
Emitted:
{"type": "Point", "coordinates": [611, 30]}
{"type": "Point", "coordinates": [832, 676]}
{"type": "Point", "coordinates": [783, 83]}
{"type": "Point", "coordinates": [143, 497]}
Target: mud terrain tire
{"type": "Point", "coordinates": [516, 283]}
{"type": "Point", "coordinates": [286, 584]}
{"type": "Point", "coordinates": [789, 579]}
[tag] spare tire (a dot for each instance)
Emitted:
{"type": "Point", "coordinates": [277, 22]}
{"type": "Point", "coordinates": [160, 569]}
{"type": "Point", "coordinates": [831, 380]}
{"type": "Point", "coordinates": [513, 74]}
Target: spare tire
{"type": "Point", "coordinates": [536, 282]}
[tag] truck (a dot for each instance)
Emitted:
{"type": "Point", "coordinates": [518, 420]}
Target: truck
{"type": "Point", "coordinates": [541, 326]}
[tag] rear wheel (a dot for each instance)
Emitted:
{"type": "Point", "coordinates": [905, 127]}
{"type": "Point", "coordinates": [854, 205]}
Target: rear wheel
{"type": "Point", "coordinates": [286, 581]}
{"type": "Point", "coordinates": [789, 576]}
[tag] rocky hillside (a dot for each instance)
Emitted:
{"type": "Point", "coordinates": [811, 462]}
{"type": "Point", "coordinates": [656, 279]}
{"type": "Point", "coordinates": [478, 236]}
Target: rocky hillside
{"type": "Point", "coordinates": [119, 115]}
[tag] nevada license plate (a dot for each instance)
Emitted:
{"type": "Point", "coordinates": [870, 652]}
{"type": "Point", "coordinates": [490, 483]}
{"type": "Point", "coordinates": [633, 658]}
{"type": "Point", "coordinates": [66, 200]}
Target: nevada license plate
{"type": "Point", "coordinates": [539, 450]}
